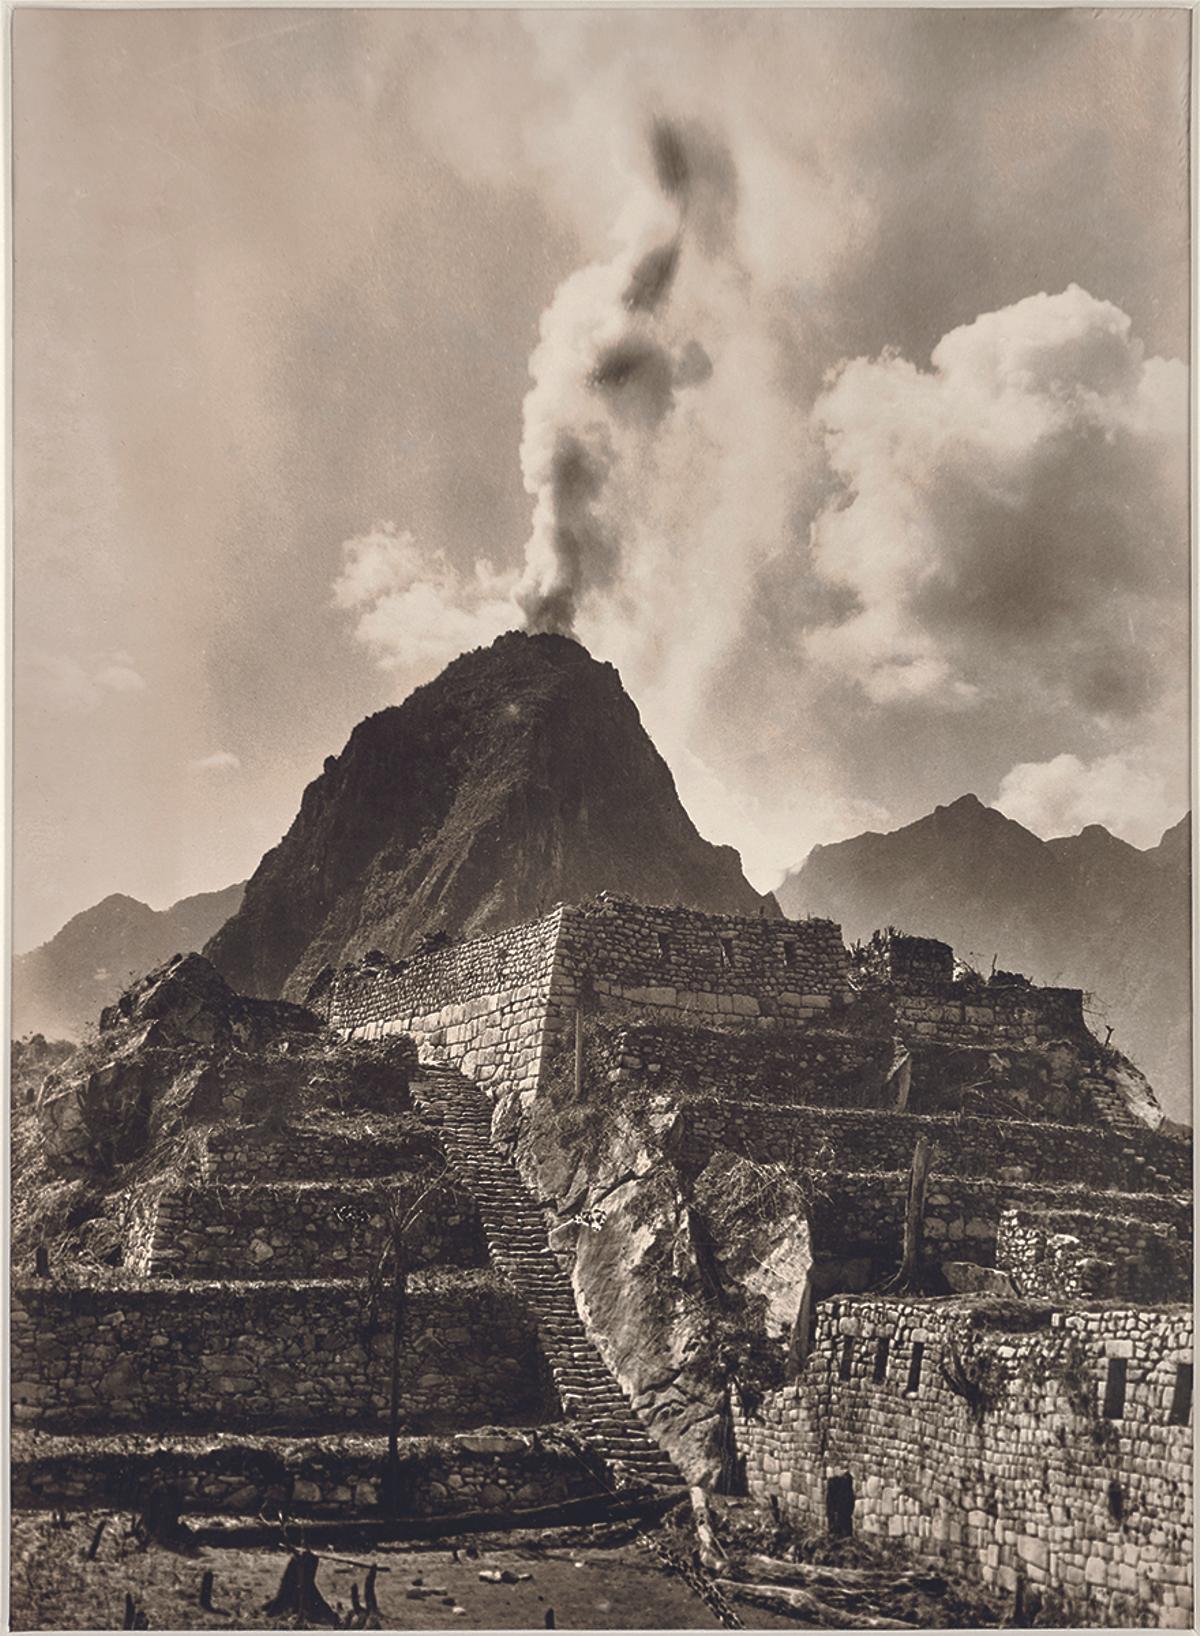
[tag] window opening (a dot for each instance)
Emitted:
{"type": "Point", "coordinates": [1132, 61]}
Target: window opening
{"type": "Point", "coordinates": [914, 1368]}
{"type": "Point", "coordinates": [1181, 1398]}
{"type": "Point", "coordinates": [1114, 1389]}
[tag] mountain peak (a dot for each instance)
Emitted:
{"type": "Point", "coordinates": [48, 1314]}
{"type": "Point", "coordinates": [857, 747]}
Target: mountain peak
{"type": "Point", "coordinates": [519, 777]}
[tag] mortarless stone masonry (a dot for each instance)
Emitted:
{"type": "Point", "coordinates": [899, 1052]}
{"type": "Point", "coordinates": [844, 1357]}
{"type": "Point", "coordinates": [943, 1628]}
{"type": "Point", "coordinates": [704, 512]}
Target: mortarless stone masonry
{"type": "Point", "coordinates": [765, 1038]}
{"type": "Point", "coordinates": [1052, 1478]}
{"type": "Point", "coordinates": [492, 1468]}
{"type": "Point", "coordinates": [498, 1007]}
{"type": "Point", "coordinates": [301, 1354]}
{"type": "Point", "coordinates": [305, 1230]}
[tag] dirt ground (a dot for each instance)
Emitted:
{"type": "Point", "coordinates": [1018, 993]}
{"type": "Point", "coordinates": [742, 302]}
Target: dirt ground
{"type": "Point", "coordinates": [419, 1587]}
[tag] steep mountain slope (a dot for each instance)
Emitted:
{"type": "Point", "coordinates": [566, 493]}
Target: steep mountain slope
{"type": "Point", "coordinates": [60, 987]}
{"type": "Point", "coordinates": [520, 777]}
{"type": "Point", "coordinates": [1085, 910]}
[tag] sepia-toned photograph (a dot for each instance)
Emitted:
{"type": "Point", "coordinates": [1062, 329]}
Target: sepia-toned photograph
{"type": "Point", "coordinates": [600, 976]}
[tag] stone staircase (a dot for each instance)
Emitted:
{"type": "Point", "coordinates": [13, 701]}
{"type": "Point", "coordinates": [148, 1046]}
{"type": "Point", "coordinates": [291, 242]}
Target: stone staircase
{"type": "Point", "coordinates": [1111, 1108]}
{"type": "Point", "coordinates": [515, 1231]}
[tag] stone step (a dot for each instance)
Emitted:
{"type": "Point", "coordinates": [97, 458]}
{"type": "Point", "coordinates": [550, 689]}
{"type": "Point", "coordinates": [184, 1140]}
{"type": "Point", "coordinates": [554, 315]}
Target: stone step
{"type": "Point", "coordinates": [515, 1228]}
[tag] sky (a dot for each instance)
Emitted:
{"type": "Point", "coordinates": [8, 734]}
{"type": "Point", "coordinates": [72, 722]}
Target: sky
{"type": "Point", "coordinates": [824, 370]}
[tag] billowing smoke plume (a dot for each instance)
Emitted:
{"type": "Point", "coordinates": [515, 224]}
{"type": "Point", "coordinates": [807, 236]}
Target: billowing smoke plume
{"type": "Point", "coordinates": [607, 373]}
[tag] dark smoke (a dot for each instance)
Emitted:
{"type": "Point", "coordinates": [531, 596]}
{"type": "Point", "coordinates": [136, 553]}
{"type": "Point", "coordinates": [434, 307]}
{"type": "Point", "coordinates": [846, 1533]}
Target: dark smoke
{"type": "Point", "coordinates": [670, 160]}
{"type": "Point", "coordinates": [651, 280]}
{"type": "Point", "coordinates": [584, 551]}
{"type": "Point", "coordinates": [574, 548]}
{"type": "Point", "coordinates": [637, 376]}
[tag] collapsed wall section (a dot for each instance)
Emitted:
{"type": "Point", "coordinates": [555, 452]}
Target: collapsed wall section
{"type": "Point", "coordinates": [1010, 1443]}
{"type": "Point", "coordinates": [1101, 1249]}
{"type": "Point", "coordinates": [481, 1005]}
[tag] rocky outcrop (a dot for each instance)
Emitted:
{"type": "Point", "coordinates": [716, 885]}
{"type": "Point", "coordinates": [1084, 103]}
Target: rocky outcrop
{"type": "Point", "coordinates": [1086, 911]}
{"type": "Point", "coordinates": [521, 777]}
{"type": "Point", "coordinates": [178, 1058]}
{"type": "Point", "coordinates": [159, 1063]}
{"type": "Point", "coordinates": [688, 1282]}
{"type": "Point", "coordinates": [60, 987]}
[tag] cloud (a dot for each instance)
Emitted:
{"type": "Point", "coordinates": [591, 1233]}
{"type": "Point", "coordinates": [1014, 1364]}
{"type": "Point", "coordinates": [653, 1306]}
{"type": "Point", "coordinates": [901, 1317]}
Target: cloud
{"type": "Point", "coordinates": [221, 761]}
{"type": "Point", "coordinates": [1125, 792]}
{"type": "Point", "coordinates": [1013, 517]}
{"type": "Point", "coordinates": [413, 610]}
{"type": "Point", "coordinates": [77, 688]}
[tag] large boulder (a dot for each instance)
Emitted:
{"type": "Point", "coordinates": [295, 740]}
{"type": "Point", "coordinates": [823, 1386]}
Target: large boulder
{"type": "Point", "coordinates": [161, 1061]}
{"type": "Point", "coordinates": [689, 1281]}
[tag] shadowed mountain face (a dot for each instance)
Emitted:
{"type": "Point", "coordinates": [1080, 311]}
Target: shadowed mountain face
{"type": "Point", "coordinates": [1088, 911]}
{"type": "Point", "coordinates": [59, 988]}
{"type": "Point", "coordinates": [520, 777]}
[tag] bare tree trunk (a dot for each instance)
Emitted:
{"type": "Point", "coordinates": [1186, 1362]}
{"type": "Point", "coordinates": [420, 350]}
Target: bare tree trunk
{"type": "Point", "coordinates": [578, 1051]}
{"type": "Point", "coordinates": [391, 1484]}
{"type": "Point", "coordinates": [914, 1215]}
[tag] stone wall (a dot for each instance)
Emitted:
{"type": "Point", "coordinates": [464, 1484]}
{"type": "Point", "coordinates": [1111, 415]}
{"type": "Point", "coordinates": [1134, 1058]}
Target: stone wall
{"type": "Point", "coordinates": [1068, 1253]}
{"type": "Point", "coordinates": [1070, 1470]}
{"type": "Point", "coordinates": [304, 1231]}
{"type": "Point", "coordinates": [915, 964]}
{"type": "Point", "coordinates": [861, 1214]}
{"type": "Point", "coordinates": [354, 1148]}
{"type": "Point", "coordinates": [681, 965]}
{"type": "Point", "coordinates": [490, 1469]}
{"type": "Point", "coordinates": [481, 1005]}
{"type": "Point", "coordinates": [964, 1013]}
{"type": "Point", "coordinates": [498, 1007]}
{"type": "Point", "coordinates": [307, 1355]}
{"type": "Point", "coordinates": [882, 1139]}
{"type": "Point", "coordinates": [783, 1066]}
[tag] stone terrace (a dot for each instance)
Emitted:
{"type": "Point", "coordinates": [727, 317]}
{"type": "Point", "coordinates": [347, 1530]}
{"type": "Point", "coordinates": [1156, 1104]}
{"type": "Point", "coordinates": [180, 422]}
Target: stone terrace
{"type": "Point", "coordinates": [249, 1360]}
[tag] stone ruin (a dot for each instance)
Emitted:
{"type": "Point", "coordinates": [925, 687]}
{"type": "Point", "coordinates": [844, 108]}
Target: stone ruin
{"type": "Point", "coordinates": [959, 1320]}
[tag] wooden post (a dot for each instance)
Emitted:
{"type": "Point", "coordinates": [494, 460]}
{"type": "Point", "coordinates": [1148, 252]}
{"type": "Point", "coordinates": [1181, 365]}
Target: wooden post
{"type": "Point", "coordinates": [915, 1213]}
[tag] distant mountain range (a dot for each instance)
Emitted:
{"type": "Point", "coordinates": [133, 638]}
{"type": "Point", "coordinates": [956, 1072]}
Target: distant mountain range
{"type": "Point", "coordinates": [1087, 911]}
{"type": "Point", "coordinates": [520, 777]}
{"type": "Point", "coordinates": [59, 989]}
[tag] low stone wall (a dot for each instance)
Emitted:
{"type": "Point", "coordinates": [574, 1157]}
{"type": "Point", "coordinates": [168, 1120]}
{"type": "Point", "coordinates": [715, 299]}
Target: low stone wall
{"type": "Point", "coordinates": [1055, 1253]}
{"type": "Point", "coordinates": [493, 1469]}
{"type": "Point", "coordinates": [1071, 1470]}
{"type": "Point", "coordinates": [898, 960]}
{"type": "Point", "coordinates": [882, 1139]}
{"type": "Point", "coordinates": [784, 1065]}
{"type": "Point", "coordinates": [348, 1149]}
{"type": "Point", "coordinates": [298, 1230]}
{"type": "Point", "coordinates": [481, 1005]}
{"type": "Point", "coordinates": [861, 1214]}
{"type": "Point", "coordinates": [307, 1355]}
{"type": "Point", "coordinates": [970, 1014]}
